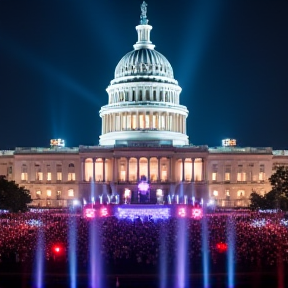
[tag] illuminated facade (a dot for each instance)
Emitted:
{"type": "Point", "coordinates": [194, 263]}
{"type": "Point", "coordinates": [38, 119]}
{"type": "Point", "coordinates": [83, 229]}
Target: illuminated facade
{"type": "Point", "coordinates": [143, 138]}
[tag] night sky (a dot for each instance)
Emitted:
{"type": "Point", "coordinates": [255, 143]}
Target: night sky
{"type": "Point", "coordinates": [57, 58]}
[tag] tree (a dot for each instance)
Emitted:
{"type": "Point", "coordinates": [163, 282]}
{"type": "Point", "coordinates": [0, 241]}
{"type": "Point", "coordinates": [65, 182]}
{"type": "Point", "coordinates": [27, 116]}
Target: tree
{"type": "Point", "coordinates": [277, 198]}
{"type": "Point", "coordinates": [13, 197]}
{"type": "Point", "coordinates": [256, 200]}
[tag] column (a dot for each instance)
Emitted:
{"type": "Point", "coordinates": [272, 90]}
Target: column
{"type": "Point", "coordinates": [127, 168]}
{"type": "Point", "coordinates": [193, 160]}
{"type": "Point", "coordinates": [159, 176]}
{"type": "Point", "coordinates": [184, 125]}
{"type": "Point", "coordinates": [137, 119]}
{"type": "Point", "coordinates": [93, 161]}
{"type": "Point", "coordinates": [116, 168]}
{"type": "Point", "coordinates": [203, 171]}
{"type": "Point", "coordinates": [138, 169]}
{"type": "Point", "coordinates": [170, 169]}
{"type": "Point", "coordinates": [126, 113]}
{"type": "Point", "coordinates": [82, 169]}
{"type": "Point", "coordinates": [183, 169]}
{"type": "Point", "coordinates": [148, 159]}
{"type": "Point", "coordinates": [103, 170]}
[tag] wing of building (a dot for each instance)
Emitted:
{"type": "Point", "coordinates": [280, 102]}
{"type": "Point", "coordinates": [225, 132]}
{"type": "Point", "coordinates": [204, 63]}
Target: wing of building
{"type": "Point", "coordinates": [143, 140]}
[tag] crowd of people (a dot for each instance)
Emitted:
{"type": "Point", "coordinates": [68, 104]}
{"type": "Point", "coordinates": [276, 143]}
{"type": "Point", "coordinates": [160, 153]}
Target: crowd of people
{"type": "Point", "coordinates": [259, 239]}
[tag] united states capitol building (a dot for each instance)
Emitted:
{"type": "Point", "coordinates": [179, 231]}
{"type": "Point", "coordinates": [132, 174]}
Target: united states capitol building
{"type": "Point", "coordinates": [143, 139]}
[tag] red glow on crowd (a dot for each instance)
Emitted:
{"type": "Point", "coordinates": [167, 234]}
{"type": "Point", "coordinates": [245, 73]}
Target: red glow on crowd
{"type": "Point", "coordinates": [197, 213]}
{"type": "Point", "coordinates": [221, 247]}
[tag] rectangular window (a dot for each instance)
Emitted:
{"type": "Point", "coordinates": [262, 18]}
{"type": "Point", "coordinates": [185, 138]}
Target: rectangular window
{"type": "Point", "coordinates": [49, 193]}
{"type": "Point", "coordinates": [38, 173]}
{"type": "Point", "coordinates": [39, 176]}
{"type": "Point", "coordinates": [71, 176]}
{"type": "Point", "coordinates": [227, 192]}
{"type": "Point", "coordinates": [215, 193]}
{"type": "Point", "coordinates": [49, 176]}
{"type": "Point", "coordinates": [58, 194]}
{"type": "Point", "coordinates": [147, 121]}
{"type": "Point", "coordinates": [24, 176]}
{"type": "Point", "coordinates": [59, 176]}
{"type": "Point", "coordinates": [262, 173]}
{"type": "Point", "coordinates": [227, 173]}
{"type": "Point", "coordinates": [38, 194]}
{"type": "Point", "coordinates": [214, 172]}
{"type": "Point", "coordinates": [227, 176]}
{"type": "Point", "coordinates": [70, 193]}
{"type": "Point", "coordinates": [123, 176]}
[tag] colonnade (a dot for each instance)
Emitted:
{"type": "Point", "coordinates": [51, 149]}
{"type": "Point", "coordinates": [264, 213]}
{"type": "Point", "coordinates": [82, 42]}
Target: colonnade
{"type": "Point", "coordinates": [149, 93]}
{"type": "Point", "coordinates": [126, 169]}
{"type": "Point", "coordinates": [147, 120]}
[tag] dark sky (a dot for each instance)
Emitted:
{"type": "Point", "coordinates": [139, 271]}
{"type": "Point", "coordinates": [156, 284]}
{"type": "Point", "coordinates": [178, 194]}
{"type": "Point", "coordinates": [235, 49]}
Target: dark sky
{"type": "Point", "coordinates": [57, 58]}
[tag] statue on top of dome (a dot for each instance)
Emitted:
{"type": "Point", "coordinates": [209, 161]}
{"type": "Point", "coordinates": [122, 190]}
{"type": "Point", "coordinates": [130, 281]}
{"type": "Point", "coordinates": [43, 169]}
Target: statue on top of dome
{"type": "Point", "coordinates": [143, 16]}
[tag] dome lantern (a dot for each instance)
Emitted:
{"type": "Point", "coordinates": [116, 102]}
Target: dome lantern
{"type": "Point", "coordinates": [143, 30]}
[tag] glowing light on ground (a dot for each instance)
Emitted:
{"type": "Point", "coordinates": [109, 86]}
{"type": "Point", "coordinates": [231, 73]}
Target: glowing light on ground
{"type": "Point", "coordinates": [39, 260]}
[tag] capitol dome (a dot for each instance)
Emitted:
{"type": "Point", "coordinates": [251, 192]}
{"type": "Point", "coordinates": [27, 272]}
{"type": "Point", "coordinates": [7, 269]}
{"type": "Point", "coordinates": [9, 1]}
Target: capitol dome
{"type": "Point", "coordinates": [143, 98]}
{"type": "Point", "coordinates": [144, 61]}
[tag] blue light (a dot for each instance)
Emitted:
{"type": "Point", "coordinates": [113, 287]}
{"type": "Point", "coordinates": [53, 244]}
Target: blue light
{"type": "Point", "coordinates": [72, 251]}
{"type": "Point", "coordinates": [39, 261]}
{"type": "Point", "coordinates": [95, 259]}
{"type": "Point", "coordinates": [205, 249]}
{"type": "Point", "coordinates": [181, 256]}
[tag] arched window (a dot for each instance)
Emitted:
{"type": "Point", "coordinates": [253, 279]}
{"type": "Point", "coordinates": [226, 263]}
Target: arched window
{"type": "Point", "coordinates": [133, 95]}
{"type": "Point", "coordinates": [147, 96]}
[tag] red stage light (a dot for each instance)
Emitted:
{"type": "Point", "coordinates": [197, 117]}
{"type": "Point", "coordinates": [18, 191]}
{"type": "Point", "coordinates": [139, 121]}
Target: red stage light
{"type": "Point", "coordinates": [57, 249]}
{"type": "Point", "coordinates": [221, 247]}
{"type": "Point", "coordinates": [103, 212]}
{"type": "Point", "coordinates": [197, 213]}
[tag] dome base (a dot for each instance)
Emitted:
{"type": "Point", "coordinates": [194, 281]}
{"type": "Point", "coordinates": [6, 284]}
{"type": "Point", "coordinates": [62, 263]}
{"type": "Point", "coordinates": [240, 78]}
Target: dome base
{"type": "Point", "coordinates": [177, 139]}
